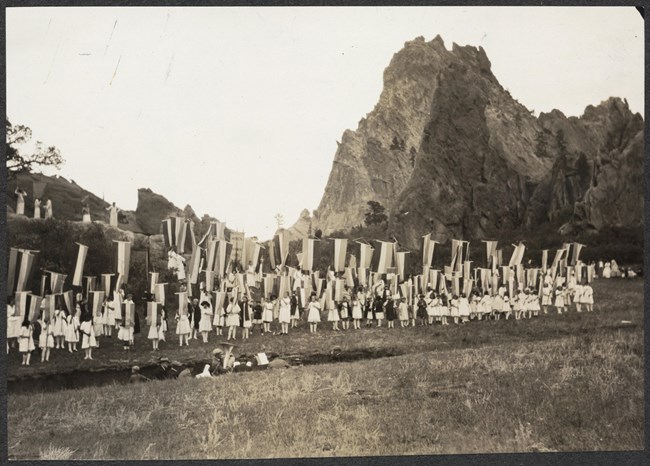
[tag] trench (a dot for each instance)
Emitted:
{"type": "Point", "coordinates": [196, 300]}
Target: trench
{"type": "Point", "coordinates": [76, 379]}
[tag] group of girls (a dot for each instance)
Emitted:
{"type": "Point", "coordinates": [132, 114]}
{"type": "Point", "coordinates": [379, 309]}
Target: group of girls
{"type": "Point", "coordinates": [60, 330]}
{"type": "Point", "coordinates": [239, 311]}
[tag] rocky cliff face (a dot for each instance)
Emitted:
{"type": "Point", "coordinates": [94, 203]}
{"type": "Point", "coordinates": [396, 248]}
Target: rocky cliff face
{"type": "Point", "coordinates": [302, 227]}
{"type": "Point", "coordinates": [447, 150]}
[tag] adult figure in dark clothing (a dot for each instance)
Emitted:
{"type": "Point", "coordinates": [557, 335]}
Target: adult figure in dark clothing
{"type": "Point", "coordinates": [194, 311]}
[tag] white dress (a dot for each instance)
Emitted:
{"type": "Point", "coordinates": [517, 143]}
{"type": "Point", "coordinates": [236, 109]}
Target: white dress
{"type": "Point", "coordinates": [233, 315]}
{"type": "Point", "coordinates": [267, 316]}
{"type": "Point", "coordinates": [587, 295]}
{"type": "Point", "coordinates": [333, 315]}
{"type": "Point", "coordinates": [204, 323]}
{"type": "Point", "coordinates": [88, 339]}
{"type": "Point", "coordinates": [72, 330]}
{"type": "Point", "coordinates": [357, 311]}
{"type": "Point", "coordinates": [26, 340]}
{"type": "Point", "coordinates": [183, 327]}
{"type": "Point", "coordinates": [314, 312]}
{"type": "Point", "coordinates": [112, 216]}
{"type": "Point", "coordinates": [20, 203]}
{"type": "Point", "coordinates": [37, 208]}
{"type": "Point", "coordinates": [48, 209]}
{"type": "Point", "coordinates": [607, 270]}
{"type": "Point", "coordinates": [463, 307]}
{"type": "Point", "coordinates": [285, 311]}
{"type": "Point", "coordinates": [13, 322]}
{"type": "Point", "coordinates": [559, 299]}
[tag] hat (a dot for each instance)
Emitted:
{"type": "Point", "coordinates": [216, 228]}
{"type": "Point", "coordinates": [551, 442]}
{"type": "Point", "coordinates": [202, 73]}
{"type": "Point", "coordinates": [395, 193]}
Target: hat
{"type": "Point", "coordinates": [216, 351]}
{"type": "Point", "coordinates": [135, 369]}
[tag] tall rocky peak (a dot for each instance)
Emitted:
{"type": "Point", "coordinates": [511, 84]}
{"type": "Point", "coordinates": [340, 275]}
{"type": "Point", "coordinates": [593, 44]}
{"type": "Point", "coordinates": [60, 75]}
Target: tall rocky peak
{"type": "Point", "coordinates": [448, 150]}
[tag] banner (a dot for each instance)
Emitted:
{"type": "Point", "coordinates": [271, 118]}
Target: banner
{"type": "Point", "coordinates": [159, 295]}
{"type": "Point", "coordinates": [428, 246]}
{"type": "Point", "coordinates": [152, 313]}
{"type": "Point", "coordinates": [21, 269]}
{"type": "Point", "coordinates": [95, 303]}
{"type": "Point", "coordinates": [194, 266]}
{"type": "Point", "coordinates": [490, 253]}
{"type": "Point", "coordinates": [544, 260]}
{"type": "Point", "coordinates": [365, 255]}
{"type": "Point", "coordinates": [307, 257]}
{"type": "Point", "coordinates": [89, 284]}
{"type": "Point", "coordinates": [518, 254]}
{"type": "Point", "coordinates": [224, 253]}
{"type": "Point", "coordinates": [400, 259]}
{"type": "Point", "coordinates": [338, 257]}
{"type": "Point", "coordinates": [182, 303]}
{"type": "Point", "coordinates": [79, 266]}
{"type": "Point", "coordinates": [123, 259]}
{"type": "Point", "coordinates": [385, 257]}
{"type": "Point", "coordinates": [575, 257]}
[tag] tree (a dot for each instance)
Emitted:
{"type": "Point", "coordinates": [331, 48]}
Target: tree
{"type": "Point", "coordinates": [375, 213]}
{"type": "Point", "coordinates": [561, 144]}
{"type": "Point", "coordinates": [19, 163]}
{"type": "Point", "coordinates": [541, 146]}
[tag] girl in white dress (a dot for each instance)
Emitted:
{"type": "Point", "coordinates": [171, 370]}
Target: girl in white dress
{"type": "Point", "coordinates": [112, 217]}
{"type": "Point", "coordinates": [588, 297]}
{"type": "Point", "coordinates": [59, 327]}
{"type": "Point", "coordinates": [357, 313]}
{"type": "Point", "coordinates": [72, 330]}
{"type": "Point", "coordinates": [507, 306]}
{"type": "Point", "coordinates": [546, 297]}
{"type": "Point", "coordinates": [37, 208]}
{"type": "Point", "coordinates": [13, 323]}
{"type": "Point", "coordinates": [344, 313]}
{"type": "Point", "coordinates": [233, 318]}
{"type": "Point", "coordinates": [463, 308]}
{"type": "Point", "coordinates": [246, 316]}
{"type": "Point", "coordinates": [88, 339]}
{"type": "Point", "coordinates": [486, 304]}
{"type": "Point", "coordinates": [183, 328]}
{"type": "Point", "coordinates": [48, 209]}
{"type": "Point", "coordinates": [333, 313]}
{"type": "Point", "coordinates": [108, 317]}
{"type": "Point", "coordinates": [20, 201]}
{"type": "Point", "coordinates": [497, 306]}
{"type": "Point", "coordinates": [154, 328]}
{"type": "Point", "coordinates": [26, 342]}
{"type": "Point", "coordinates": [46, 339]}
{"type": "Point", "coordinates": [267, 315]}
{"type": "Point", "coordinates": [204, 324]}
{"type": "Point", "coordinates": [163, 323]}
{"type": "Point", "coordinates": [403, 313]}
{"type": "Point", "coordinates": [559, 299]}
{"type": "Point", "coordinates": [607, 270]}
{"type": "Point", "coordinates": [314, 314]}
{"type": "Point", "coordinates": [577, 296]}
{"type": "Point", "coordinates": [285, 314]}
{"type": "Point", "coordinates": [125, 333]}
{"type": "Point", "coordinates": [432, 303]}
{"type": "Point", "coordinates": [453, 309]}
{"type": "Point", "coordinates": [85, 215]}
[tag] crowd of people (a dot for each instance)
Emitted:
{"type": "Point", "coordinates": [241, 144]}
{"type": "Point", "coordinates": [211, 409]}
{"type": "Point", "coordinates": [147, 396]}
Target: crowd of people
{"type": "Point", "coordinates": [242, 315]}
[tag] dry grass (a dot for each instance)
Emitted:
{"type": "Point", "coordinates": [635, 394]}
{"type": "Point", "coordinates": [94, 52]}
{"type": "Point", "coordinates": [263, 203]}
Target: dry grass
{"type": "Point", "coordinates": [573, 393]}
{"type": "Point", "coordinates": [574, 390]}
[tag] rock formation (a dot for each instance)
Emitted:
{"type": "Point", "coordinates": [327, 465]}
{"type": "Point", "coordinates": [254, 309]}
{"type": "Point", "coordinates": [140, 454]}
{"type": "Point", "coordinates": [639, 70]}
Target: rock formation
{"type": "Point", "coordinates": [448, 150]}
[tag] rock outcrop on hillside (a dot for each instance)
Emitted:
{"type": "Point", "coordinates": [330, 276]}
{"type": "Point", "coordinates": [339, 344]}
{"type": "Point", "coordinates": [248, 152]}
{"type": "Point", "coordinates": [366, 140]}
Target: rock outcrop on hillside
{"type": "Point", "coordinates": [447, 150]}
{"type": "Point", "coordinates": [301, 228]}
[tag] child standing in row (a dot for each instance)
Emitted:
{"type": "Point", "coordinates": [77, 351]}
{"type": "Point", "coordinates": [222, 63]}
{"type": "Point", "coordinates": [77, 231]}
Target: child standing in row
{"type": "Point", "coordinates": [26, 342]}
{"type": "Point", "coordinates": [88, 339]}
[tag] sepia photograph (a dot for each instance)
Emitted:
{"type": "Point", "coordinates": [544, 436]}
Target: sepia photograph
{"type": "Point", "coordinates": [254, 232]}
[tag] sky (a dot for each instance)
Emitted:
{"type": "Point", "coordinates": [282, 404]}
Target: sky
{"type": "Point", "coordinates": [237, 111]}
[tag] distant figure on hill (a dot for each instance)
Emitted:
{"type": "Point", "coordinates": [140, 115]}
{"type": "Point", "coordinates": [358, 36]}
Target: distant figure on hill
{"type": "Point", "coordinates": [85, 214]}
{"type": "Point", "coordinates": [48, 209]}
{"type": "Point", "coordinates": [112, 216]}
{"type": "Point", "coordinates": [20, 201]}
{"type": "Point", "coordinates": [37, 208]}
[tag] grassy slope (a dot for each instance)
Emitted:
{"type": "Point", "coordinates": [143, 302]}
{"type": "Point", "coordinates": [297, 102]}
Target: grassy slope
{"type": "Point", "coordinates": [620, 299]}
{"type": "Point", "coordinates": [574, 392]}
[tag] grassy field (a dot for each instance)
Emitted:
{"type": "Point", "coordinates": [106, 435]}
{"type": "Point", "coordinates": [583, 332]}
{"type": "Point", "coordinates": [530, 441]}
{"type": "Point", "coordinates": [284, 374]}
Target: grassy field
{"type": "Point", "coordinates": [616, 300]}
{"type": "Point", "coordinates": [557, 383]}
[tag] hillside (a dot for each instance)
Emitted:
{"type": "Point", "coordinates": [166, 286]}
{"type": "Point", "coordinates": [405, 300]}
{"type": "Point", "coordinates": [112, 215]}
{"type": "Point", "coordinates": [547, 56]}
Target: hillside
{"type": "Point", "coordinates": [448, 150]}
